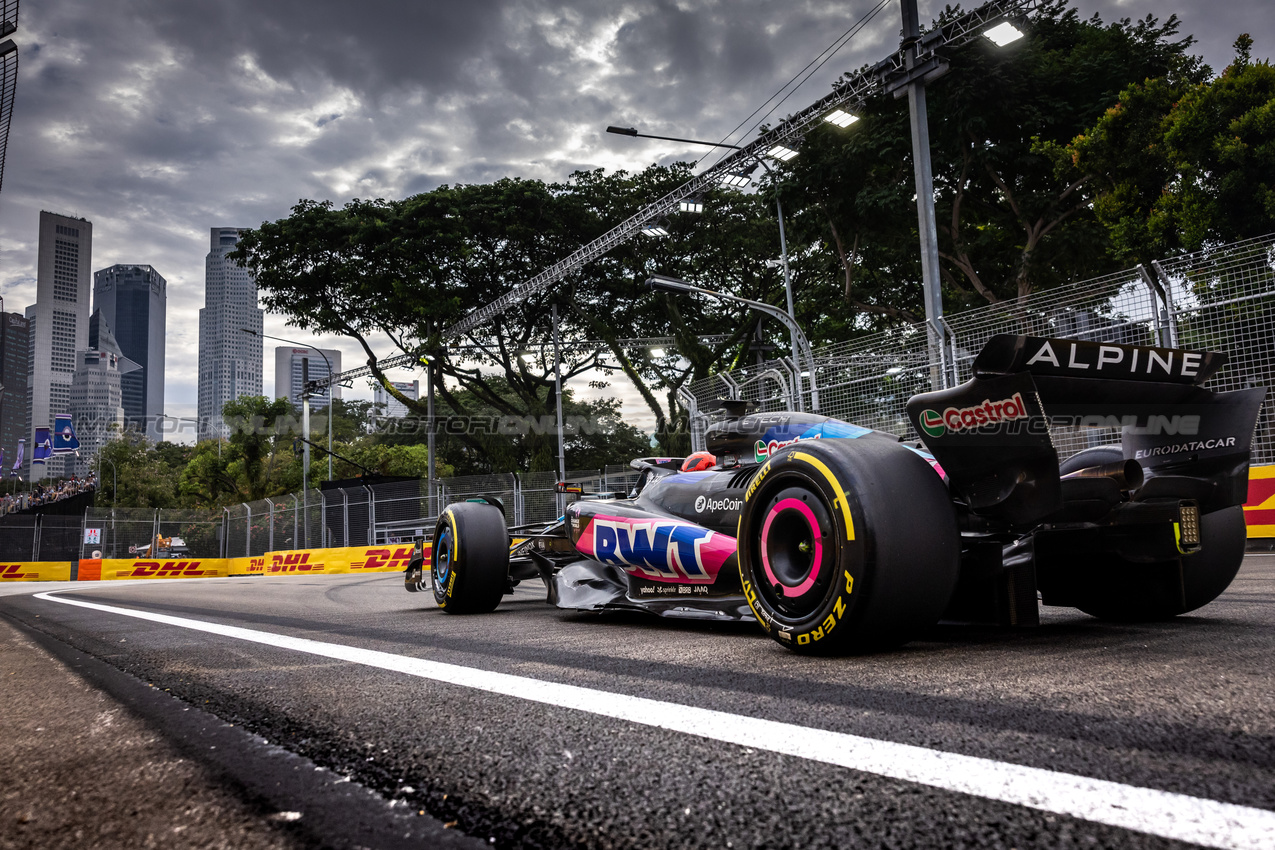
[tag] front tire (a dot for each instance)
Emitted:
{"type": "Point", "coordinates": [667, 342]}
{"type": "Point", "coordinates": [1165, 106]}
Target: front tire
{"type": "Point", "coordinates": [470, 558]}
{"type": "Point", "coordinates": [846, 546]}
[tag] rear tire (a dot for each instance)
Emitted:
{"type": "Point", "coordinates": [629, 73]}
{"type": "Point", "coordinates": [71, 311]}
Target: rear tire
{"type": "Point", "coordinates": [470, 558]}
{"type": "Point", "coordinates": [1134, 592]}
{"type": "Point", "coordinates": [847, 545]}
{"type": "Point", "coordinates": [1158, 591]}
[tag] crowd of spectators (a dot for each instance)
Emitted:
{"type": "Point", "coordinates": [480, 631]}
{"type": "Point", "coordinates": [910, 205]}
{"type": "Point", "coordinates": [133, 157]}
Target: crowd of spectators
{"type": "Point", "coordinates": [41, 494]}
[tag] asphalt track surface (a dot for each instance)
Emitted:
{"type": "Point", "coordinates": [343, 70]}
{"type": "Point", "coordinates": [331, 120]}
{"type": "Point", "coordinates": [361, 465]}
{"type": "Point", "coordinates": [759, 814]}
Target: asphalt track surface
{"type": "Point", "coordinates": [533, 727]}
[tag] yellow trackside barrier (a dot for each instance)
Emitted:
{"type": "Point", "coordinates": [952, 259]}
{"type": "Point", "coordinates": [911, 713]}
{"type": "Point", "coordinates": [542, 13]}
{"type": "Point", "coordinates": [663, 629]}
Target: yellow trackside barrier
{"type": "Point", "coordinates": [1259, 511]}
{"type": "Point", "coordinates": [350, 559]}
{"type": "Point", "coordinates": [123, 568]}
{"type": "Point", "coordinates": [36, 571]}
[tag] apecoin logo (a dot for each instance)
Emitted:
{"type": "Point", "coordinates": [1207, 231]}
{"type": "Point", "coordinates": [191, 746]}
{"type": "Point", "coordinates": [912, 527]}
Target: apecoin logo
{"type": "Point", "coordinates": [704, 503]}
{"type": "Point", "coordinates": [954, 419]}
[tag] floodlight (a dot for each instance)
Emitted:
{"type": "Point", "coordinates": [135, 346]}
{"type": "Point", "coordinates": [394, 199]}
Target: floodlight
{"type": "Point", "coordinates": [735, 181]}
{"type": "Point", "coordinates": [528, 357]}
{"type": "Point", "coordinates": [691, 205]}
{"type": "Point", "coordinates": [1004, 33]}
{"type": "Point", "coordinates": [894, 370]}
{"type": "Point", "coordinates": [657, 353]}
{"type": "Point", "coordinates": [655, 229]}
{"type": "Point", "coordinates": [781, 153]}
{"type": "Point", "coordinates": [840, 118]}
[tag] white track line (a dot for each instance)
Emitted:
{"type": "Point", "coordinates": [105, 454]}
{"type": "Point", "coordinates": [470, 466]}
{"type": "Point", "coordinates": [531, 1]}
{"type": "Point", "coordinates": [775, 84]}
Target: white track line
{"type": "Point", "coordinates": [1147, 810]}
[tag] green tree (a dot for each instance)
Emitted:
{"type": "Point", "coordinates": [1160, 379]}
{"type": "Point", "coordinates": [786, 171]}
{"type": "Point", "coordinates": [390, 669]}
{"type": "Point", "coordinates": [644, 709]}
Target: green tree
{"type": "Point", "coordinates": [148, 476]}
{"type": "Point", "coordinates": [1013, 215]}
{"type": "Point", "coordinates": [409, 269]}
{"type": "Point", "coordinates": [1184, 163]}
{"type": "Point", "coordinates": [257, 459]}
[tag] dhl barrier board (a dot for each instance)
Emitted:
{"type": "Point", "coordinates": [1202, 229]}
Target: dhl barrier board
{"type": "Point", "coordinates": [351, 559]}
{"type": "Point", "coordinates": [122, 568]}
{"type": "Point", "coordinates": [1259, 511]}
{"type": "Point", "coordinates": [36, 571]}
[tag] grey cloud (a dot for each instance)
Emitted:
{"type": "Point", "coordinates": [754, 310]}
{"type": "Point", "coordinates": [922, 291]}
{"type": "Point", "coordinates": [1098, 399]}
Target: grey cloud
{"type": "Point", "coordinates": [158, 119]}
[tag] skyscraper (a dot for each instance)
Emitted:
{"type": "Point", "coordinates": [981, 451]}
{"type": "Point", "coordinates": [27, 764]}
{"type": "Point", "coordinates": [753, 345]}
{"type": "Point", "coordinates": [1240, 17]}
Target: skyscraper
{"type": "Point", "coordinates": [59, 324]}
{"type": "Point", "coordinates": [392, 408]}
{"type": "Point", "coordinates": [97, 398]}
{"type": "Point", "coordinates": [13, 379]}
{"type": "Point", "coordinates": [291, 365]}
{"type": "Point", "coordinates": [133, 300]}
{"type": "Point", "coordinates": [229, 359]}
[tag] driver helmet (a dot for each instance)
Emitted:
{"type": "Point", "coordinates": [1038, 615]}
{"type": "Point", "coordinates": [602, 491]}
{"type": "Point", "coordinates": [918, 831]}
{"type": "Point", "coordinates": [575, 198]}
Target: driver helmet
{"type": "Point", "coordinates": [699, 462]}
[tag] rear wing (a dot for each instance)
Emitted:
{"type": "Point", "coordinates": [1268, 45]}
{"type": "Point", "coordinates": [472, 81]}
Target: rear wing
{"type": "Point", "coordinates": [993, 434]}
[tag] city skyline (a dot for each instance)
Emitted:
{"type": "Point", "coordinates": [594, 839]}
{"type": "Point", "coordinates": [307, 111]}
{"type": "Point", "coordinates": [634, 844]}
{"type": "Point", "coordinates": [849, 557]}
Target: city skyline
{"type": "Point", "coordinates": [160, 124]}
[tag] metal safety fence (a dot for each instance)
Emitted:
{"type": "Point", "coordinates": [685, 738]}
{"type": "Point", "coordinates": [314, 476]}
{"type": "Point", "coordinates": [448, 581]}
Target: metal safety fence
{"type": "Point", "coordinates": [396, 511]}
{"type": "Point", "coordinates": [1220, 299]}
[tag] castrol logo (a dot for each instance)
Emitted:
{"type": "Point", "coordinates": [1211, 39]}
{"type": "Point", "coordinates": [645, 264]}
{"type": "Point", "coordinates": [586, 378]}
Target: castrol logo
{"type": "Point", "coordinates": [956, 419]}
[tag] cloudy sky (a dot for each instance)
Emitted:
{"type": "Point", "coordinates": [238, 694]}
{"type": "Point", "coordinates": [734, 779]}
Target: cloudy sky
{"type": "Point", "coordinates": [159, 119]}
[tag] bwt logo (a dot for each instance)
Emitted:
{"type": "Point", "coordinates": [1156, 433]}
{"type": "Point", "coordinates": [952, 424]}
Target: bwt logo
{"type": "Point", "coordinates": [168, 569]}
{"type": "Point", "coordinates": [13, 572]}
{"type": "Point", "coordinates": [296, 562]}
{"type": "Point", "coordinates": [385, 559]}
{"type": "Point", "coordinates": [658, 549]}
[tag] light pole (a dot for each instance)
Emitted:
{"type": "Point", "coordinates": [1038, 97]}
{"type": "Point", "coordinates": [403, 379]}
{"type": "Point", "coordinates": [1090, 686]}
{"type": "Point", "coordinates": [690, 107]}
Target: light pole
{"type": "Point", "coordinates": [672, 284]}
{"type": "Point", "coordinates": [188, 419]}
{"type": "Point", "coordinates": [305, 406]}
{"type": "Point", "coordinates": [783, 240]}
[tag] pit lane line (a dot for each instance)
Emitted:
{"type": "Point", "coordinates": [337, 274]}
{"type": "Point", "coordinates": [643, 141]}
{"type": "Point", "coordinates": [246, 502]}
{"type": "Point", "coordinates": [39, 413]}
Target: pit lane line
{"type": "Point", "coordinates": [1147, 810]}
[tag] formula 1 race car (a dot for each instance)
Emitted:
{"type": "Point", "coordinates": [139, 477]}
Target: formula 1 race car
{"type": "Point", "coordinates": [837, 538]}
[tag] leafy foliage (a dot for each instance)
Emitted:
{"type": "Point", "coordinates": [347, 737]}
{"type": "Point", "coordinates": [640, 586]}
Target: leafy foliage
{"type": "Point", "coordinates": [1185, 163]}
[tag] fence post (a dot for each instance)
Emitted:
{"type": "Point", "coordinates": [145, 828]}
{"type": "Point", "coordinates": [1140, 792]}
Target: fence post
{"type": "Point", "coordinates": [270, 533]}
{"type": "Point", "coordinates": [35, 541]}
{"type": "Point", "coordinates": [247, 531]}
{"type": "Point", "coordinates": [1170, 310]}
{"type": "Point", "coordinates": [345, 517]}
{"type": "Point", "coordinates": [1163, 337]}
{"type": "Point", "coordinates": [371, 515]}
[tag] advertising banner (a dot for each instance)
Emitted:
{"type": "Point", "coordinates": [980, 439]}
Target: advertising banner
{"type": "Point", "coordinates": [352, 559]}
{"type": "Point", "coordinates": [123, 568]}
{"type": "Point", "coordinates": [1259, 511]}
{"type": "Point", "coordinates": [36, 571]}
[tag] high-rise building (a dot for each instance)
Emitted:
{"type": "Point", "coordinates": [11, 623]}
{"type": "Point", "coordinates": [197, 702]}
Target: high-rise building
{"type": "Point", "coordinates": [132, 300]}
{"type": "Point", "coordinates": [229, 359]}
{"type": "Point", "coordinates": [293, 365]}
{"type": "Point", "coordinates": [392, 407]}
{"type": "Point", "coordinates": [59, 325]}
{"type": "Point", "coordinates": [97, 398]}
{"type": "Point", "coordinates": [14, 343]}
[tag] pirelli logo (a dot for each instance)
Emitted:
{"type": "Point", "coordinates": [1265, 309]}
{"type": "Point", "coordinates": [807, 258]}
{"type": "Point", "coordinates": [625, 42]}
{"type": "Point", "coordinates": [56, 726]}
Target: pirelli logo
{"type": "Point", "coordinates": [168, 569]}
{"type": "Point", "coordinates": [293, 562]}
{"type": "Point", "coordinates": [386, 559]}
{"type": "Point", "coordinates": [16, 572]}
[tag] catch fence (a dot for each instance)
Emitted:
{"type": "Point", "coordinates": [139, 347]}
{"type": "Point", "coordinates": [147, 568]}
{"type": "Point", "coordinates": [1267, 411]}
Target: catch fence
{"type": "Point", "coordinates": [1220, 299]}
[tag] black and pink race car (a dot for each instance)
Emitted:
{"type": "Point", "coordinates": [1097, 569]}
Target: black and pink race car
{"type": "Point", "coordinates": [838, 538]}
